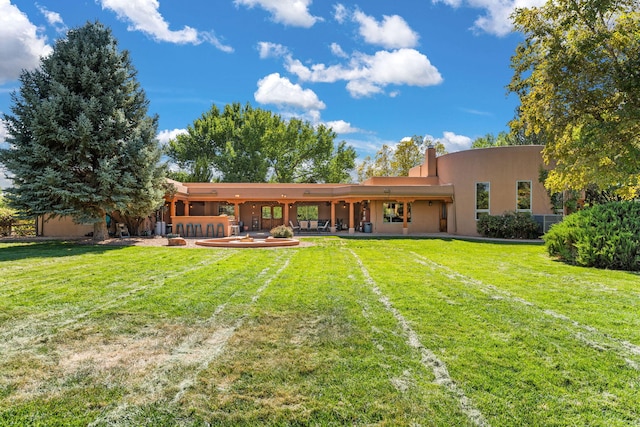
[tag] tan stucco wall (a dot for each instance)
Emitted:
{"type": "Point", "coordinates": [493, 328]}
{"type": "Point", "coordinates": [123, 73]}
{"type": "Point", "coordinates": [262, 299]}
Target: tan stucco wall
{"type": "Point", "coordinates": [500, 166]}
{"type": "Point", "coordinates": [424, 218]}
{"type": "Point", "coordinates": [64, 227]}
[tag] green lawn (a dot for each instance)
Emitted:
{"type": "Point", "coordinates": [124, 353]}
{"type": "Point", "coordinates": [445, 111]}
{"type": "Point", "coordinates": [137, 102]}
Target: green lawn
{"type": "Point", "coordinates": [384, 332]}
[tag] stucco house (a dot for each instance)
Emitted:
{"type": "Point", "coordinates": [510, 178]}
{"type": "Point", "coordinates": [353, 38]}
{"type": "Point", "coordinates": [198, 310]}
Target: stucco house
{"type": "Point", "coordinates": [446, 194]}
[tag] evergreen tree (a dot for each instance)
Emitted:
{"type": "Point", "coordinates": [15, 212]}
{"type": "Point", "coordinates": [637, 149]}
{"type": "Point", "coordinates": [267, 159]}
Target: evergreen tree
{"type": "Point", "coordinates": [81, 143]}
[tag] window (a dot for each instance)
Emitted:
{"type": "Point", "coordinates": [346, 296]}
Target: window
{"type": "Point", "coordinates": [307, 212]}
{"type": "Point", "coordinates": [483, 190]}
{"type": "Point", "coordinates": [393, 212]}
{"type": "Point", "coordinates": [523, 196]}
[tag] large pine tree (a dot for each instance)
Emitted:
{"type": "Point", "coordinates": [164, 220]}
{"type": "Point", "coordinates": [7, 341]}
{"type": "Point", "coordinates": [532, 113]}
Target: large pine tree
{"type": "Point", "coordinates": [81, 142]}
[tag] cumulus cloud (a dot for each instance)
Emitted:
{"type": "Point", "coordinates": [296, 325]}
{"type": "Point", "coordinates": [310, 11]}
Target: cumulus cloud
{"type": "Point", "coordinates": [271, 50]}
{"type": "Point", "coordinates": [20, 44]}
{"type": "Point", "coordinates": [453, 142]}
{"type": "Point", "coordinates": [287, 12]}
{"type": "Point", "coordinates": [336, 49]}
{"type": "Point", "coordinates": [497, 17]}
{"type": "Point", "coordinates": [164, 136]}
{"type": "Point", "coordinates": [370, 74]}
{"type": "Point", "coordinates": [53, 18]}
{"type": "Point", "coordinates": [278, 90]}
{"type": "Point", "coordinates": [391, 33]}
{"type": "Point", "coordinates": [342, 127]}
{"type": "Point", "coordinates": [145, 17]}
{"type": "Point", "coordinates": [340, 13]}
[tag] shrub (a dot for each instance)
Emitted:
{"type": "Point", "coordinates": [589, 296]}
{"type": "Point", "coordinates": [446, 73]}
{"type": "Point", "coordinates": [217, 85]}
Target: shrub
{"type": "Point", "coordinates": [282, 231]}
{"type": "Point", "coordinates": [603, 236]}
{"type": "Point", "coordinates": [510, 225]}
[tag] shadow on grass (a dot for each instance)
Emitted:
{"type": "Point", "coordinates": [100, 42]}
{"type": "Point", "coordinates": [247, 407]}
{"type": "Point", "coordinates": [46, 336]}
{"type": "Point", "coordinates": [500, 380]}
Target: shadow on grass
{"type": "Point", "coordinates": [17, 250]}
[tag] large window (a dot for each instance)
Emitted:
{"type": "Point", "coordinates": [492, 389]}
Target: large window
{"type": "Point", "coordinates": [394, 212]}
{"type": "Point", "coordinates": [483, 196]}
{"type": "Point", "coordinates": [308, 212]}
{"type": "Point", "coordinates": [523, 196]}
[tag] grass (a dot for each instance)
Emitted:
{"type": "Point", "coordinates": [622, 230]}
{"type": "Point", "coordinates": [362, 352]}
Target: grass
{"type": "Point", "coordinates": [386, 332]}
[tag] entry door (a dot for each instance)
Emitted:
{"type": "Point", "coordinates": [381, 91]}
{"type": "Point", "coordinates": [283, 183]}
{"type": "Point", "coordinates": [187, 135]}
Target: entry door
{"type": "Point", "coordinates": [271, 217]}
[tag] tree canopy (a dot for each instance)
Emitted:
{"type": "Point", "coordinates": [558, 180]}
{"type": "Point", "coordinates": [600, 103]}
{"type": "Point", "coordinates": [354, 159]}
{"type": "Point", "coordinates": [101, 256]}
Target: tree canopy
{"type": "Point", "coordinates": [519, 137]}
{"type": "Point", "coordinates": [398, 160]}
{"type": "Point", "coordinates": [246, 144]}
{"type": "Point", "coordinates": [577, 74]}
{"type": "Point", "coordinates": [80, 141]}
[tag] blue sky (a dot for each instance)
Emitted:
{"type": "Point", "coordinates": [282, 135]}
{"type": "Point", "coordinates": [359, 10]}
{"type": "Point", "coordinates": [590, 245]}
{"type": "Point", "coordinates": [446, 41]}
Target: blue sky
{"type": "Point", "coordinates": [375, 71]}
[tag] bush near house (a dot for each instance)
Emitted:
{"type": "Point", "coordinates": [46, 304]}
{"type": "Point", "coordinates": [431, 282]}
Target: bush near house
{"type": "Point", "coordinates": [282, 231]}
{"type": "Point", "coordinates": [509, 225]}
{"type": "Point", "coordinates": [603, 236]}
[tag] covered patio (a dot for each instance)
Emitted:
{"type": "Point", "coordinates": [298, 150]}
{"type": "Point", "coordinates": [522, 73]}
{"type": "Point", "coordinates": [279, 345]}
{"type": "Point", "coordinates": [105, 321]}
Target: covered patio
{"type": "Point", "coordinates": [396, 205]}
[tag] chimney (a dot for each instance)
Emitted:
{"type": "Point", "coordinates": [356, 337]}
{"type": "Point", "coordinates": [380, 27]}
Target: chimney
{"type": "Point", "coordinates": [430, 161]}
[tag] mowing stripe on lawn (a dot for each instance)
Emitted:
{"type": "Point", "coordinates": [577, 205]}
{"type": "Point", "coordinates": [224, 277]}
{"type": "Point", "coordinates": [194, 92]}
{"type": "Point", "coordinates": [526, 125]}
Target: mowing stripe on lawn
{"type": "Point", "coordinates": [20, 337]}
{"type": "Point", "coordinates": [586, 334]}
{"type": "Point", "coordinates": [201, 347]}
{"type": "Point", "coordinates": [429, 358]}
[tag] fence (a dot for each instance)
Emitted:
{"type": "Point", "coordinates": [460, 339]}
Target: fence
{"type": "Point", "coordinates": [22, 228]}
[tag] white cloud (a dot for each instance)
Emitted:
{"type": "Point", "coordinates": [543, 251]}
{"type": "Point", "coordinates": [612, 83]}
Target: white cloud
{"type": "Point", "coordinates": [271, 50]}
{"type": "Point", "coordinates": [340, 13]}
{"type": "Point", "coordinates": [278, 90]}
{"type": "Point", "coordinates": [53, 18]}
{"type": "Point", "coordinates": [497, 17]}
{"type": "Point", "coordinates": [287, 12]}
{"type": "Point", "coordinates": [144, 16]}
{"type": "Point", "coordinates": [20, 44]}
{"type": "Point", "coordinates": [369, 74]}
{"type": "Point", "coordinates": [342, 127]}
{"type": "Point", "coordinates": [392, 33]}
{"type": "Point", "coordinates": [164, 136]}
{"type": "Point", "coordinates": [336, 49]}
{"type": "Point", "coordinates": [453, 142]}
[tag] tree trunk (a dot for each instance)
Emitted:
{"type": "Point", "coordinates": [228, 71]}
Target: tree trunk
{"type": "Point", "coordinates": [100, 231]}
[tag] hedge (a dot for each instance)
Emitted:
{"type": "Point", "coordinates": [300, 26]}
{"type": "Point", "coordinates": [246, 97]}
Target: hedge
{"type": "Point", "coordinates": [602, 236]}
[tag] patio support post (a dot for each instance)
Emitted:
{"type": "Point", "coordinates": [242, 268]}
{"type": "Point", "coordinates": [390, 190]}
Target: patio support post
{"type": "Point", "coordinates": [405, 213]}
{"type": "Point", "coordinates": [333, 217]}
{"type": "Point", "coordinates": [286, 214]}
{"type": "Point", "coordinates": [186, 208]}
{"type": "Point", "coordinates": [352, 229]}
{"type": "Point", "coordinates": [236, 211]}
{"type": "Point", "coordinates": [172, 208]}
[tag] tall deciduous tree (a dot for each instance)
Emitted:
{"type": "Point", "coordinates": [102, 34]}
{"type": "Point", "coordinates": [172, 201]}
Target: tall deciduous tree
{"type": "Point", "coordinates": [578, 78]}
{"type": "Point", "coordinates": [243, 144]}
{"type": "Point", "coordinates": [81, 143]}
{"type": "Point", "coordinates": [398, 160]}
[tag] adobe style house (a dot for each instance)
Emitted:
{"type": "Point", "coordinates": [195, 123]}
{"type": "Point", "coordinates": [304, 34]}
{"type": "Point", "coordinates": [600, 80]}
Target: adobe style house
{"type": "Point", "coordinates": [445, 194]}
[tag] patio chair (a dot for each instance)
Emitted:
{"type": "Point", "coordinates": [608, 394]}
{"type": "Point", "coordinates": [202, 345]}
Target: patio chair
{"type": "Point", "coordinates": [324, 227]}
{"type": "Point", "coordinates": [313, 225]}
{"type": "Point", "coordinates": [304, 225]}
{"type": "Point", "coordinates": [294, 227]}
{"type": "Point", "coordinates": [123, 231]}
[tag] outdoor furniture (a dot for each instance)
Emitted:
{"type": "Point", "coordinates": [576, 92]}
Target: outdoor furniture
{"type": "Point", "coordinates": [189, 229]}
{"type": "Point", "coordinates": [313, 225]}
{"type": "Point", "coordinates": [235, 230]}
{"type": "Point", "coordinates": [123, 231]}
{"type": "Point", "coordinates": [180, 229]}
{"type": "Point", "coordinates": [210, 226]}
{"type": "Point", "coordinates": [324, 227]}
{"type": "Point", "coordinates": [293, 227]}
{"type": "Point", "coordinates": [304, 225]}
{"type": "Point", "coordinates": [219, 230]}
